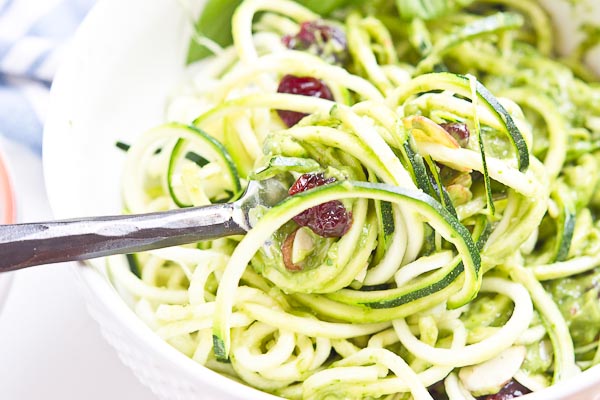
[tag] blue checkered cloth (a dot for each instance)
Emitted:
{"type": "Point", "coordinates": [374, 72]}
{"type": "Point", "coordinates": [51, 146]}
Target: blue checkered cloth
{"type": "Point", "coordinates": [33, 35]}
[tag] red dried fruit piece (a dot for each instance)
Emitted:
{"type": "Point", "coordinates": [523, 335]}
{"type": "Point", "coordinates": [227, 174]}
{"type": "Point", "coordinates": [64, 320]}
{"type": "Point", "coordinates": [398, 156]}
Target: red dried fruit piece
{"type": "Point", "coordinates": [309, 181]}
{"type": "Point", "coordinates": [326, 41]}
{"type": "Point", "coordinates": [304, 218]}
{"type": "Point", "coordinates": [458, 131]}
{"type": "Point", "coordinates": [304, 86]}
{"type": "Point", "coordinates": [511, 390]}
{"type": "Point", "coordinates": [330, 219]}
{"type": "Point", "coordinates": [306, 182]}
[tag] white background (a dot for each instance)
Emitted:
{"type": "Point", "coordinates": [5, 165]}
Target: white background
{"type": "Point", "coordinates": [50, 348]}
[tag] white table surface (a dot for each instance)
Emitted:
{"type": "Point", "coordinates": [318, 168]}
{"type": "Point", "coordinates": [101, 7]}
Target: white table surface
{"type": "Point", "coordinates": [50, 348]}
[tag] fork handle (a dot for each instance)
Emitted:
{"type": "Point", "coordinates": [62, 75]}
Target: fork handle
{"type": "Point", "coordinates": [26, 245]}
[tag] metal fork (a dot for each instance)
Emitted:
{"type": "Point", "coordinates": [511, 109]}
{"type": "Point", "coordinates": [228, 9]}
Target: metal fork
{"type": "Point", "coordinates": [30, 244]}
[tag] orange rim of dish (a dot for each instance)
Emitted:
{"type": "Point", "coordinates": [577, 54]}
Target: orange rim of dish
{"type": "Point", "coordinates": [7, 198]}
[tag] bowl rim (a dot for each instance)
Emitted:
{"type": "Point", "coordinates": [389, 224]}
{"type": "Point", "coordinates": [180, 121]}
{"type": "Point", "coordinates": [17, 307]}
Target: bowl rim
{"type": "Point", "coordinates": [97, 285]}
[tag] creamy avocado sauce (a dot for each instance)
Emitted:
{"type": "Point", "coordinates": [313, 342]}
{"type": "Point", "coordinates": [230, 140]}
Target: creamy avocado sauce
{"type": "Point", "coordinates": [579, 301]}
{"type": "Point", "coordinates": [487, 311]}
{"type": "Point", "coordinates": [538, 359]}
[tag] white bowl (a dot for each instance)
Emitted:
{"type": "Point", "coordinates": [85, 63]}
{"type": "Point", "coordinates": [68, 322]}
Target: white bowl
{"type": "Point", "coordinates": [123, 62]}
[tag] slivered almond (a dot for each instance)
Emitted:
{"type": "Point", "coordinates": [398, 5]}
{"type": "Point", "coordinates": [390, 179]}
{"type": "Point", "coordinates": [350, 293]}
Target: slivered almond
{"type": "Point", "coordinates": [425, 130]}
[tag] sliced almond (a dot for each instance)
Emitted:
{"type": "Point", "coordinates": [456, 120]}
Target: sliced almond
{"type": "Point", "coordinates": [286, 252]}
{"type": "Point", "coordinates": [532, 382]}
{"type": "Point", "coordinates": [425, 130]}
{"type": "Point", "coordinates": [491, 376]}
{"type": "Point", "coordinates": [303, 245]}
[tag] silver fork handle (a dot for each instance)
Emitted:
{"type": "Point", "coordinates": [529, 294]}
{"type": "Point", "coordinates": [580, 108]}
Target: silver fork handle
{"type": "Point", "coordinates": [26, 245]}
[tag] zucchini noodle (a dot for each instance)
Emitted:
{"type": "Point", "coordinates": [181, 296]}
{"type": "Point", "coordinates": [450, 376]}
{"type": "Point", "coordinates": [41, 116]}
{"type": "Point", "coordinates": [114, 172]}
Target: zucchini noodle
{"type": "Point", "coordinates": [464, 160]}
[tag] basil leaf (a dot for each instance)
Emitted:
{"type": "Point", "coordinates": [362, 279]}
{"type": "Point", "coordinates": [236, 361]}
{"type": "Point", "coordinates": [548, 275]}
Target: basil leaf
{"type": "Point", "coordinates": [323, 7]}
{"type": "Point", "coordinates": [215, 21]}
{"type": "Point", "coordinates": [215, 24]}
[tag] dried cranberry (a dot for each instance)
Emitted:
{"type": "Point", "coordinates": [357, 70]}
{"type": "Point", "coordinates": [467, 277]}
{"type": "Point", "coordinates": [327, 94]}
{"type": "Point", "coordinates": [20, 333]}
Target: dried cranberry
{"type": "Point", "coordinates": [330, 219]}
{"type": "Point", "coordinates": [511, 390]}
{"type": "Point", "coordinates": [322, 39]}
{"type": "Point", "coordinates": [304, 218]}
{"type": "Point", "coordinates": [309, 181]}
{"type": "Point", "coordinates": [458, 131]}
{"type": "Point", "coordinates": [437, 390]}
{"type": "Point", "coordinates": [304, 86]}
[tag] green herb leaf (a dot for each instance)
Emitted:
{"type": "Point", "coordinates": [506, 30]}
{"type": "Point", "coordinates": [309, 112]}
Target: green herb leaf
{"type": "Point", "coordinates": [196, 158]}
{"type": "Point", "coordinates": [123, 146]}
{"type": "Point", "coordinates": [428, 9]}
{"type": "Point", "coordinates": [324, 7]}
{"type": "Point", "coordinates": [215, 22]}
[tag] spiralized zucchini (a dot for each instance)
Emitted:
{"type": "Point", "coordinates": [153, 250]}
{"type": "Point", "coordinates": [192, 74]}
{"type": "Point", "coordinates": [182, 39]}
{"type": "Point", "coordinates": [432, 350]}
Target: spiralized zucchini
{"type": "Point", "coordinates": [459, 248]}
